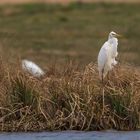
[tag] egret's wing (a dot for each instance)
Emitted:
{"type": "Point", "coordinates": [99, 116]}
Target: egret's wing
{"type": "Point", "coordinates": [103, 56]}
{"type": "Point", "coordinates": [105, 59]}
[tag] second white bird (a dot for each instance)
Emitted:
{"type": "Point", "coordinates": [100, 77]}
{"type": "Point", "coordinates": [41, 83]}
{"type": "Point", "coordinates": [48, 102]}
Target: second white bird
{"type": "Point", "coordinates": [32, 68]}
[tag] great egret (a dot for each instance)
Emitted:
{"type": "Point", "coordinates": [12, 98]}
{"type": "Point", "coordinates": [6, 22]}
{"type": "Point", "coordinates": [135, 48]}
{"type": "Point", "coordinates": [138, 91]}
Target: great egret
{"type": "Point", "coordinates": [32, 68]}
{"type": "Point", "coordinates": [107, 55]}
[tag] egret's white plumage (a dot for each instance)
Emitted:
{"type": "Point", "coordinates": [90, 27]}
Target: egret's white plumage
{"type": "Point", "coordinates": [32, 68]}
{"type": "Point", "coordinates": [107, 55]}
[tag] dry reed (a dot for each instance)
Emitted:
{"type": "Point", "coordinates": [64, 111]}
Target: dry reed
{"type": "Point", "coordinates": [69, 99]}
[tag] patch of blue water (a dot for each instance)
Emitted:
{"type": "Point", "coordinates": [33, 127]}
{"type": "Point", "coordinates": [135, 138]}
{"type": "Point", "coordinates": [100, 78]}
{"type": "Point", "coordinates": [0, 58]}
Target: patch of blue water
{"type": "Point", "coordinates": [73, 135]}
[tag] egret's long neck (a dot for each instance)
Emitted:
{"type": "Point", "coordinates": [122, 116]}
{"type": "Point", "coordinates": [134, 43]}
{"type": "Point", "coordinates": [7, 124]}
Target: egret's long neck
{"type": "Point", "coordinates": [113, 41]}
{"type": "Point", "coordinates": [110, 37]}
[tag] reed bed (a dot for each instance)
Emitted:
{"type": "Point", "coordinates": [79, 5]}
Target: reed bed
{"type": "Point", "coordinates": [69, 98]}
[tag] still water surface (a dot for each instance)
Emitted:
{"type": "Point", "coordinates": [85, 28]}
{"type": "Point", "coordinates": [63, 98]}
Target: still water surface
{"type": "Point", "coordinates": [73, 135]}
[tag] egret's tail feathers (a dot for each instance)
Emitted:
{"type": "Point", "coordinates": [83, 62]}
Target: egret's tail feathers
{"type": "Point", "coordinates": [114, 62]}
{"type": "Point", "coordinates": [116, 54]}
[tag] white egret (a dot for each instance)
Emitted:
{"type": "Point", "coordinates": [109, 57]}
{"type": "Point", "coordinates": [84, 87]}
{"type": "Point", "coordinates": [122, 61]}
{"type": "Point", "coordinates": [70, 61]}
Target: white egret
{"type": "Point", "coordinates": [107, 55]}
{"type": "Point", "coordinates": [106, 58]}
{"type": "Point", "coordinates": [32, 68]}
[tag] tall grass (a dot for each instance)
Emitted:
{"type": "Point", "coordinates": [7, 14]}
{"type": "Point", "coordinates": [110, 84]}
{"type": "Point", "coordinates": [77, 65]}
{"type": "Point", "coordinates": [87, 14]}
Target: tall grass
{"type": "Point", "coordinates": [69, 99]}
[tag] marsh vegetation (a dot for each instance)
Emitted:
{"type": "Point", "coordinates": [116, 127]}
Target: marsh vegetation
{"type": "Point", "coordinates": [65, 41]}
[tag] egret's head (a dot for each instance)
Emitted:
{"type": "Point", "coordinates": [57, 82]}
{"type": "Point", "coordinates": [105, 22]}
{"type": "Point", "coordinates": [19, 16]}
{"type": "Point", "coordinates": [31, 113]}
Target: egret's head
{"type": "Point", "coordinates": [113, 34]}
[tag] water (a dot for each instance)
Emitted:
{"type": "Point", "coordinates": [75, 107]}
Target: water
{"type": "Point", "coordinates": [73, 135]}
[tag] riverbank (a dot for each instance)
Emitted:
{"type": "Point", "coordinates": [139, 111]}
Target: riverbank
{"type": "Point", "coordinates": [70, 99]}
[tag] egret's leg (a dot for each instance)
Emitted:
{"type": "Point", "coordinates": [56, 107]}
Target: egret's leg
{"type": "Point", "coordinates": [108, 76]}
{"type": "Point", "coordinates": [103, 89]}
{"type": "Point", "coordinates": [102, 76]}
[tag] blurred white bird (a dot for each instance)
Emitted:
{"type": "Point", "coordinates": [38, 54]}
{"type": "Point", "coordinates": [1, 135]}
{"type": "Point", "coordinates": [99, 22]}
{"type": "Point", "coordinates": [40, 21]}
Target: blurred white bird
{"type": "Point", "coordinates": [107, 55]}
{"type": "Point", "coordinates": [32, 68]}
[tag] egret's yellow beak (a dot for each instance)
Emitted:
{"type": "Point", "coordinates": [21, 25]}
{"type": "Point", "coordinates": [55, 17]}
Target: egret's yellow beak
{"type": "Point", "coordinates": [118, 35]}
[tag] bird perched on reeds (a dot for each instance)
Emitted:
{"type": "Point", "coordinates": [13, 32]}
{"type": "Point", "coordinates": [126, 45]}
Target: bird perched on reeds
{"type": "Point", "coordinates": [32, 68]}
{"type": "Point", "coordinates": [107, 55]}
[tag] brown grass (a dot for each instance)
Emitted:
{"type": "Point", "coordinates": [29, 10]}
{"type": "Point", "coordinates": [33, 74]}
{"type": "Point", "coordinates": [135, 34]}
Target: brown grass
{"type": "Point", "coordinates": [69, 98]}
